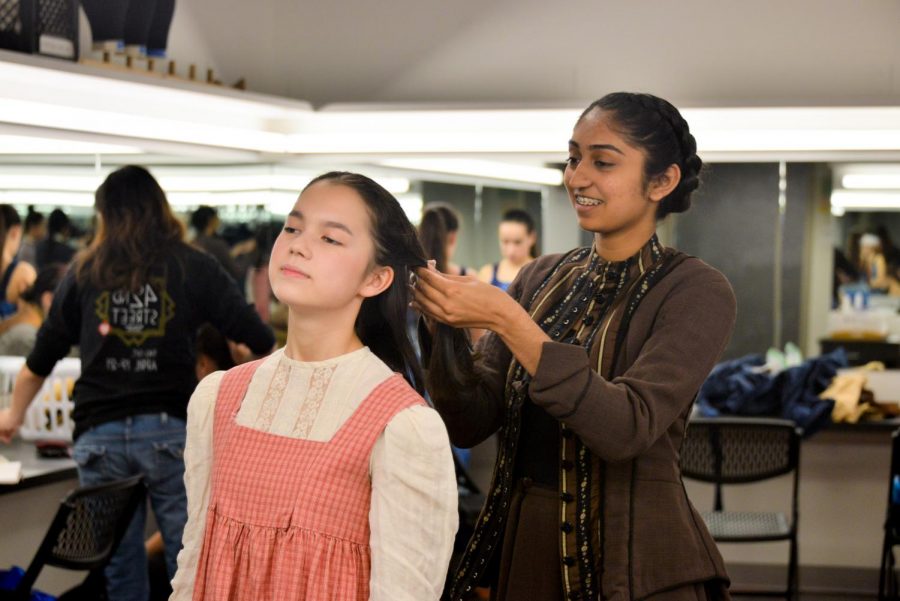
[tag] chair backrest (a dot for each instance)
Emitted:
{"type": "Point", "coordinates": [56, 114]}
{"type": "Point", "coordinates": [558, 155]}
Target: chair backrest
{"type": "Point", "coordinates": [893, 503]}
{"type": "Point", "coordinates": [739, 450]}
{"type": "Point", "coordinates": [88, 527]}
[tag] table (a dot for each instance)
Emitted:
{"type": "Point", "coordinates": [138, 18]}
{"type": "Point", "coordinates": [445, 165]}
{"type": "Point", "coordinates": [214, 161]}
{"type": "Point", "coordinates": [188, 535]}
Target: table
{"type": "Point", "coordinates": [27, 508]}
{"type": "Point", "coordinates": [36, 471]}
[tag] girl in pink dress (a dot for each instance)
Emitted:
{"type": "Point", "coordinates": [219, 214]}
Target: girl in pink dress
{"type": "Point", "coordinates": [318, 472]}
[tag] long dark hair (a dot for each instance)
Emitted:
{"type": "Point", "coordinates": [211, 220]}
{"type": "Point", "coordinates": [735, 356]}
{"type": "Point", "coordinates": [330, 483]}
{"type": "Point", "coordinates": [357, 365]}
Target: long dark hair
{"type": "Point", "coordinates": [32, 218]}
{"type": "Point", "coordinates": [655, 126]}
{"type": "Point", "coordinates": [47, 280]}
{"type": "Point", "coordinates": [381, 323]}
{"type": "Point", "coordinates": [439, 220]}
{"type": "Point", "coordinates": [135, 231]}
{"type": "Point", "coordinates": [10, 216]}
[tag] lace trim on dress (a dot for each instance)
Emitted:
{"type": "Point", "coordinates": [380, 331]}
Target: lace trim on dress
{"type": "Point", "coordinates": [274, 394]}
{"type": "Point", "coordinates": [309, 410]}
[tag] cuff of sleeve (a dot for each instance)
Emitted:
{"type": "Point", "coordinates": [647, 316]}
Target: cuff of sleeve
{"type": "Point", "coordinates": [561, 380]}
{"type": "Point", "coordinates": [37, 368]}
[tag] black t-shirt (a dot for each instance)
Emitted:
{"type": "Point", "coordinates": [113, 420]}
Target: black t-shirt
{"type": "Point", "coordinates": [49, 251]}
{"type": "Point", "coordinates": [137, 349]}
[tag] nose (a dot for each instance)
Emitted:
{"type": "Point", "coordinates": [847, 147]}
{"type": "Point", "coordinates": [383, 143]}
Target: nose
{"type": "Point", "coordinates": [299, 245]}
{"type": "Point", "coordinates": [575, 177]}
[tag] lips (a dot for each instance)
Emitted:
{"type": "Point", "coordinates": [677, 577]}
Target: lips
{"type": "Point", "coordinates": [293, 272]}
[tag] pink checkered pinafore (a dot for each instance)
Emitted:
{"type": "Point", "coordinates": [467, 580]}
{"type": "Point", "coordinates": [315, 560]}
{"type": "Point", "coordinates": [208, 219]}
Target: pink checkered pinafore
{"type": "Point", "coordinates": [288, 519]}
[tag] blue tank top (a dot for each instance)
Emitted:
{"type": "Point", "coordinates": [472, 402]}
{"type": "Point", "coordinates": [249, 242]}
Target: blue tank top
{"type": "Point", "coordinates": [495, 282]}
{"type": "Point", "coordinates": [7, 308]}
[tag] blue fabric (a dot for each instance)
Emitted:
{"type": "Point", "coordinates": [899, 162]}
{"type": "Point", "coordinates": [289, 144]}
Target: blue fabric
{"type": "Point", "coordinates": [463, 455]}
{"type": "Point", "coordinates": [7, 308]}
{"type": "Point", "coordinates": [151, 445]}
{"type": "Point", "coordinates": [10, 579]}
{"type": "Point", "coordinates": [504, 286]}
{"type": "Point", "coordinates": [741, 387]}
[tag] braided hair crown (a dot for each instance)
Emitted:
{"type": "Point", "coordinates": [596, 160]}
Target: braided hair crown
{"type": "Point", "coordinates": [655, 125]}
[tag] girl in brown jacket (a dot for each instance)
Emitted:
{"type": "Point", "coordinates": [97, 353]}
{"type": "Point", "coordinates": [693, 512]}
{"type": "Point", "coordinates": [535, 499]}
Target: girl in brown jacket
{"type": "Point", "coordinates": [589, 372]}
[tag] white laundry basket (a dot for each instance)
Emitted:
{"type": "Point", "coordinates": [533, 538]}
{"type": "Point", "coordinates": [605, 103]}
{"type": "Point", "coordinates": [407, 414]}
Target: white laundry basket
{"type": "Point", "coordinates": [49, 417]}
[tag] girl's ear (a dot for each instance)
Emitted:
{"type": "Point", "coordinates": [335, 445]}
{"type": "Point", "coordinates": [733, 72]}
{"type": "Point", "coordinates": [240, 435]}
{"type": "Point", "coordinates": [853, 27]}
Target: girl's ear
{"type": "Point", "coordinates": [664, 183]}
{"type": "Point", "coordinates": [377, 282]}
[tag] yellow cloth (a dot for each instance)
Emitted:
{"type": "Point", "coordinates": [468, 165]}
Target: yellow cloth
{"type": "Point", "coordinates": [845, 389]}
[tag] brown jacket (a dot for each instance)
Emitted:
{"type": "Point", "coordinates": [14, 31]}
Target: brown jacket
{"type": "Point", "coordinates": [653, 539]}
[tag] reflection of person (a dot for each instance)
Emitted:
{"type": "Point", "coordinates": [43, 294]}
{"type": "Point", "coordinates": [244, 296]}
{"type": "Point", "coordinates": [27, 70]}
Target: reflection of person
{"type": "Point", "coordinates": [320, 473]}
{"type": "Point", "coordinates": [205, 222]}
{"type": "Point", "coordinates": [439, 233]}
{"type": "Point", "coordinates": [844, 273]}
{"type": "Point", "coordinates": [874, 266]}
{"type": "Point", "coordinates": [35, 231]}
{"type": "Point", "coordinates": [517, 240]}
{"type": "Point", "coordinates": [15, 276]}
{"type": "Point", "coordinates": [889, 250]}
{"type": "Point", "coordinates": [132, 301]}
{"type": "Point", "coordinates": [589, 372]}
{"type": "Point", "coordinates": [18, 333]}
{"type": "Point", "coordinates": [55, 248]}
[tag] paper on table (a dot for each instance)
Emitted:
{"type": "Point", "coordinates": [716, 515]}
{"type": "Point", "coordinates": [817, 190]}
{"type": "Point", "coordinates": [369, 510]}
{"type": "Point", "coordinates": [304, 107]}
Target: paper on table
{"type": "Point", "coordinates": [10, 471]}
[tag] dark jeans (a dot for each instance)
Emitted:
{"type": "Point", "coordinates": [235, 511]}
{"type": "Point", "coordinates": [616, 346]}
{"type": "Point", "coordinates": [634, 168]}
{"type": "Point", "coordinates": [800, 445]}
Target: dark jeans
{"type": "Point", "coordinates": [151, 445]}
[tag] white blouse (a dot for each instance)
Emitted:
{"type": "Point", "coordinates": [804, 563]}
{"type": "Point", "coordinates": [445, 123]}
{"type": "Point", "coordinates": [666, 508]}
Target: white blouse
{"type": "Point", "coordinates": [413, 516]}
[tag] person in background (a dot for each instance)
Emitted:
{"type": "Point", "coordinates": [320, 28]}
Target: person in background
{"type": "Point", "coordinates": [439, 234]}
{"type": "Point", "coordinates": [35, 231]}
{"type": "Point", "coordinates": [844, 273]}
{"type": "Point", "coordinates": [875, 267]}
{"type": "Point", "coordinates": [517, 248]}
{"type": "Point", "coordinates": [18, 333]}
{"type": "Point", "coordinates": [890, 251]}
{"type": "Point", "coordinates": [589, 372]}
{"type": "Point", "coordinates": [213, 352]}
{"type": "Point", "coordinates": [15, 275]}
{"type": "Point", "coordinates": [258, 275]}
{"type": "Point", "coordinates": [319, 472]}
{"type": "Point", "coordinates": [132, 302]}
{"type": "Point", "coordinates": [205, 223]}
{"type": "Point", "coordinates": [55, 248]}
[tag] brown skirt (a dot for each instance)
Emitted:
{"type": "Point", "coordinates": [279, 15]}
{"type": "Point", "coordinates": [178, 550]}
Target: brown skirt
{"type": "Point", "coordinates": [529, 563]}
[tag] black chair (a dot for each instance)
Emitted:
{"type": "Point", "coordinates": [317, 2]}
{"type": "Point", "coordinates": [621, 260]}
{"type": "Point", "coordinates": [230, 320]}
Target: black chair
{"type": "Point", "coordinates": [725, 451]}
{"type": "Point", "coordinates": [887, 578]}
{"type": "Point", "coordinates": [84, 534]}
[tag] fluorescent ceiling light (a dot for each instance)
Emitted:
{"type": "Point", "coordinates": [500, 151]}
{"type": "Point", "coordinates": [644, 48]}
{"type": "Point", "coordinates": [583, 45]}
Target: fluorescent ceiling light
{"type": "Point", "coordinates": [36, 92]}
{"type": "Point", "coordinates": [87, 182]}
{"type": "Point", "coordinates": [47, 198]}
{"type": "Point", "coordinates": [79, 98]}
{"type": "Point", "coordinates": [871, 181]}
{"type": "Point", "coordinates": [865, 200]}
{"type": "Point", "coordinates": [479, 168]}
{"type": "Point", "coordinates": [181, 181]}
{"type": "Point", "coordinates": [14, 144]}
{"type": "Point", "coordinates": [135, 124]}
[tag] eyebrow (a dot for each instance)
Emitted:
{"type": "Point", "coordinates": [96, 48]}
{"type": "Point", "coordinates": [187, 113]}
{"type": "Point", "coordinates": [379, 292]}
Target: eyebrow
{"type": "Point", "coordinates": [598, 147]}
{"type": "Point", "coordinates": [329, 224]}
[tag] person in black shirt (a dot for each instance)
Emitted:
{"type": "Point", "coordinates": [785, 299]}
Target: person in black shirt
{"type": "Point", "coordinates": [205, 222]}
{"type": "Point", "coordinates": [55, 248]}
{"type": "Point", "coordinates": [133, 301]}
